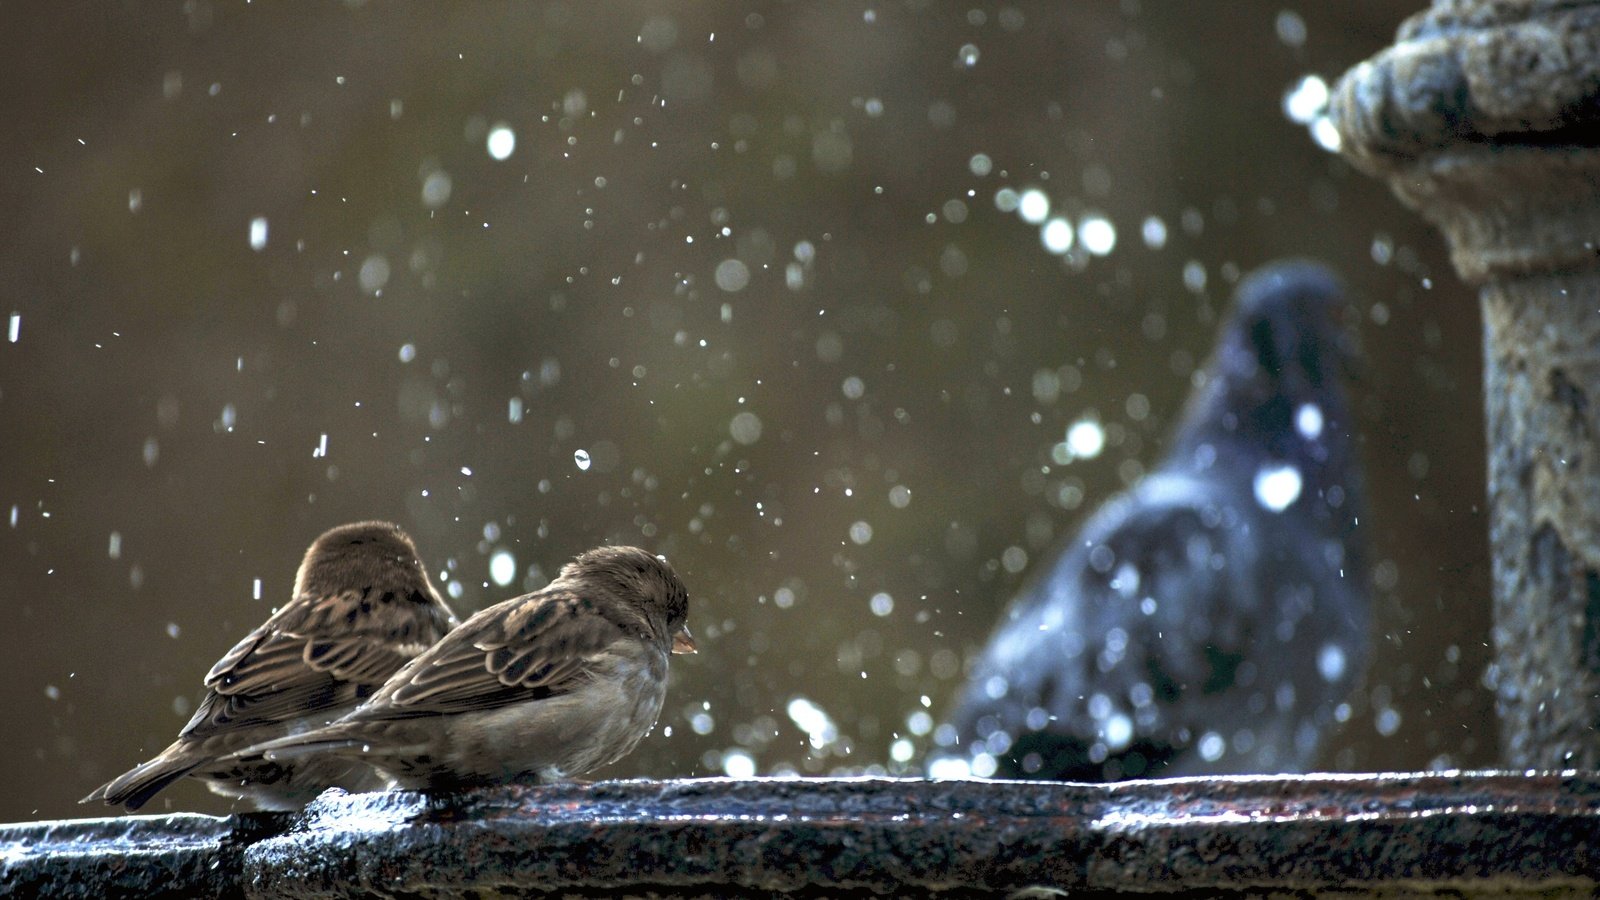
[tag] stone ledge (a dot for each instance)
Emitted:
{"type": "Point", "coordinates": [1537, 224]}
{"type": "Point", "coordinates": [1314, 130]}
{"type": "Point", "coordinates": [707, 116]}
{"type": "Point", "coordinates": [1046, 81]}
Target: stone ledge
{"type": "Point", "coordinates": [182, 855]}
{"type": "Point", "coordinates": [1467, 834]}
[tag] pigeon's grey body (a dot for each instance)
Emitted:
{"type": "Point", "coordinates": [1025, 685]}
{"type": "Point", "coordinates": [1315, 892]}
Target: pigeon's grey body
{"type": "Point", "coordinates": [1211, 619]}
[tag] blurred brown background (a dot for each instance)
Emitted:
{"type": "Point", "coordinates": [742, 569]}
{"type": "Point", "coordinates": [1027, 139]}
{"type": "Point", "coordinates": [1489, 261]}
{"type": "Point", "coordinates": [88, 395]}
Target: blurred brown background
{"type": "Point", "coordinates": [743, 259]}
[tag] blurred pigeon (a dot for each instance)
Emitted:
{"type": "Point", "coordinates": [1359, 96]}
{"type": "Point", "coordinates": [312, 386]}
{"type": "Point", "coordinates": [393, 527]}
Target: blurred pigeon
{"type": "Point", "coordinates": [1210, 619]}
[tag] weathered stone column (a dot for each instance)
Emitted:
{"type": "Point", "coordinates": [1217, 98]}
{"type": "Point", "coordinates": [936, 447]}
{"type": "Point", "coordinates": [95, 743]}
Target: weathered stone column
{"type": "Point", "coordinates": [1485, 117]}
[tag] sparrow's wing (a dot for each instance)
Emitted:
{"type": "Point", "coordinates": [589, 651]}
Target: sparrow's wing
{"type": "Point", "coordinates": [521, 650]}
{"type": "Point", "coordinates": [316, 653]}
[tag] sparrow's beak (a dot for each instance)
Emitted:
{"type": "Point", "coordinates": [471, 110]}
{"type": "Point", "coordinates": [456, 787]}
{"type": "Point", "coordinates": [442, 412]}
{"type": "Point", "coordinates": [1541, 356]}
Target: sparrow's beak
{"type": "Point", "coordinates": [683, 641]}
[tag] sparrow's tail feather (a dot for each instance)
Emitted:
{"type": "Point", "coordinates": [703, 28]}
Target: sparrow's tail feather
{"type": "Point", "coordinates": [134, 788]}
{"type": "Point", "coordinates": [322, 740]}
{"type": "Point", "coordinates": [293, 749]}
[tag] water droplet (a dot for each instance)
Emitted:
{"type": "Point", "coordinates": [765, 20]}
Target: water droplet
{"type": "Point", "coordinates": [258, 233]}
{"type": "Point", "coordinates": [1212, 746]}
{"type": "Point", "coordinates": [502, 141]}
{"type": "Point", "coordinates": [1098, 234]}
{"type": "Point", "coordinates": [996, 686]}
{"type": "Point", "coordinates": [984, 765]}
{"type": "Point", "coordinates": [860, 532]}
{"type": "Point", "coordinates": [1308, 421]}
{"type": "Point", "coordinates": [436, 188]}
{"type": "Point", "coordinates": [1331, 662]}
{"type": "Point", "coordinates": [1277, 485]}
{"type": "Point", "coordinates": [502, 567]}
{"type": "Point", "coordinates": [1388, 721]}
{"type": "Point", "coordinates": [949, 767]}
{"type": "Point", "coordinates": [1154, 232]}
{"type": "Point", "coordinates": [732, 275]}
{"type": "Point", "coordinates": [738, 764]}
{"type": "Point", "coordinates": [1057, 236]}
{"type": "Point", "coordinates": [1085, 439]}
{"type": "Point", "coordinates": [1291, 28]}
{"type": "Point", "coordinates": [1326, 134]}
{"type": "Point", "coordinates": [1306, 100]}
{"type": "Point", "coordinates": [374, 273]}
{"type": "Point", "coordinates": [1033, 206]}
{"type": "Point", "coordinates": [745, 428]}
{"type": "Point", "coordinates": [814, 721]}
{"type": "Point", "coordinates": [1118, 731]}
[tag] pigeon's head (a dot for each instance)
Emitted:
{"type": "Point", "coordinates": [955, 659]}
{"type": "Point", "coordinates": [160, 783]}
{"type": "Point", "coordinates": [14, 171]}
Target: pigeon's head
{"type": "Point", "coordinates": [1274, 388]}
{"type": "Point", "coordinates": [1287, 322]}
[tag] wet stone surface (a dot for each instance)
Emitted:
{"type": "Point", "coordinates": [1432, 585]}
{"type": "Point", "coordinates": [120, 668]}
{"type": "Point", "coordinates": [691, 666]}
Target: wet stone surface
{"type": "Point", "coordinates": [133, 856]}
{"type": "Point", "coordinates": [1471, 834]}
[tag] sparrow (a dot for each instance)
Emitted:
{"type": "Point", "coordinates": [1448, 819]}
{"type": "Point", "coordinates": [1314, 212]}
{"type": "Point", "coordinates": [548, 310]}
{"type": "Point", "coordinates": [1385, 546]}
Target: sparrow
{"type": "Point", "coordinates": [1211, 619]}
{"type": "Point", "coordinates": [362, 607]}
{"type": "Point", "coordinates": [538, 688]}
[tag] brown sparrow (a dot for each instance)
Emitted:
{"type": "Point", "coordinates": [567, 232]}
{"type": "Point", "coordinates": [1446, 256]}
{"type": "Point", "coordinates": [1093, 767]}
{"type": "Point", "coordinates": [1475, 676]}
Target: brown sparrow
{"type": "Point", "coordinates": [362, 607]}
{"type": "Point", "coordinates": [541, 687]}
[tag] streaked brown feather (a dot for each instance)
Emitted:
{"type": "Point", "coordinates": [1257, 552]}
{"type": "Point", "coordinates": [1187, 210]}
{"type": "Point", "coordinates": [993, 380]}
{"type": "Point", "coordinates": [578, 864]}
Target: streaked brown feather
{"type": "Point", "coordinates": [317, 653]}
{"type": "Point", "coordinates": [356, 616]}
{"type": "Point", "coordinates": [519, 650]}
